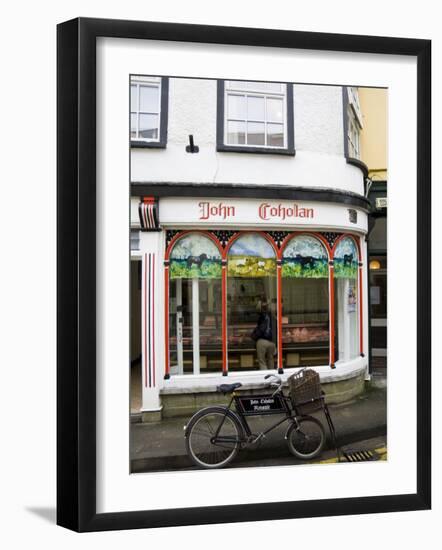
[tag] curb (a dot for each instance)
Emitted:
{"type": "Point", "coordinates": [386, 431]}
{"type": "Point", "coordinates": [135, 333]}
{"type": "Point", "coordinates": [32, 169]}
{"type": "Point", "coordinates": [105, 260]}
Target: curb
{"type": "Point", "coordinates": [164, 463]}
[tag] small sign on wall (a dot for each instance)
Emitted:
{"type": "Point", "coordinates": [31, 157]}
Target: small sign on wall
{"type": "Point", "coordinates": [352, 215]}
{"type": "Point", "coordinates": [351, 299]}
{"type": "Point", "coordinates": [375, 295]}
{"type": "Point", "coordinates": [381, 202]}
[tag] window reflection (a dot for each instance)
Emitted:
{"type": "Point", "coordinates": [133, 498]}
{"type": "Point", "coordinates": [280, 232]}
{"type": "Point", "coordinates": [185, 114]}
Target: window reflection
{"type": "Point", "coordinates": [305, 303]}
{"type": "Point", "coordinates": [195, 306]}
{"type": "Point", "coordinates": [251, 288]}
{"type": "Point", "coordinates": [196, 303]}
{"type": "Point", "coordinates": [346, 300]}
{"type": "Point", "coordinates": [255, 114]}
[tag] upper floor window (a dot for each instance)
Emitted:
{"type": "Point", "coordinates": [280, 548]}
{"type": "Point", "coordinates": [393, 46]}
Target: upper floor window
{"type": "Point", "coordinates": [255, 117]}
{"type": "Point", "coordinates": [148, 111]}
{"type": "Point", "coordinates": [354, 124]}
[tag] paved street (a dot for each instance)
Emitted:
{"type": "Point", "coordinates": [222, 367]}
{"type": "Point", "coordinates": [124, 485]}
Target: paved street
{"type": "Point", "coordinates": [377, 447]}
{"type": "Point", "coordinates": [160, 446]}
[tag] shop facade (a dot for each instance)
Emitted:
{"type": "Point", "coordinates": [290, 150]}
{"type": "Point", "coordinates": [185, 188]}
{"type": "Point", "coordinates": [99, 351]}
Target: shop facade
{"type": "Point", "coordinates": [207, 264]}
{"type": "Point", "coordinates": [206, 254]}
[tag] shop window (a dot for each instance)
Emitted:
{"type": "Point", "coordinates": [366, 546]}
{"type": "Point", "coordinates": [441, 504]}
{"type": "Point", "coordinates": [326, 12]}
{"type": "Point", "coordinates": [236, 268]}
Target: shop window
{"type": "Point", "coordinates": [378, 287]}
{"type": "Point", "coordinates": [251, 289]}
{"type": "Point", "coordinates": [255, 117]}
{"type": "Point", "coordinates": [305, 303]}
{"type": "Point", "coordinates": [346, 299]}
{"type": "Point", "coordinates": [148, 111]}
{"type": "Point", "coordinates": [195, 344]}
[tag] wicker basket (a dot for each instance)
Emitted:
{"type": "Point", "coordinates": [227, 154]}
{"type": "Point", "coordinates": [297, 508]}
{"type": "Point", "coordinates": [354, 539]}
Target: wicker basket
{"type": "Point", "coordinates": [305, 391]}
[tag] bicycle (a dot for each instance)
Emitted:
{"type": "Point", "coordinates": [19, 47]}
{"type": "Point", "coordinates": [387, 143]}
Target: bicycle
{"type": "Point", "coordinates": [215, 434]}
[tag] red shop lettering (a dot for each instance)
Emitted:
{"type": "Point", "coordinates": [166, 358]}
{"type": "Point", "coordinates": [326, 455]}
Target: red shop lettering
{"type": "Point", "coordinates": [210, 210]}
{"type": "Point", "coordinates": [267, 211]}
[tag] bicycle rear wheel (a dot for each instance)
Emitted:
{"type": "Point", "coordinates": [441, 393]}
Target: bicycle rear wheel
{"type": "Point", "coordinates": [213, 438]}
{"type": "Point", "coordinates": [306, 438]}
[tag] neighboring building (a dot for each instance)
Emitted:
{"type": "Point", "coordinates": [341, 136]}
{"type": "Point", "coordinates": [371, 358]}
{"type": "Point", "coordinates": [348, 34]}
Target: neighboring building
{"type": "Point", "coordinates": [244, 192]}
{"type": "Point", "coordinates": [373, 138]}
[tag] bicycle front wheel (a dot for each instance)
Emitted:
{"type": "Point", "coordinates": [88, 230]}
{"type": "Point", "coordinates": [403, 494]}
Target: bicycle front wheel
{"type": "Point", "coordinates": [306, 438]}
{"type": "Point", "coordinates": [213, 438]}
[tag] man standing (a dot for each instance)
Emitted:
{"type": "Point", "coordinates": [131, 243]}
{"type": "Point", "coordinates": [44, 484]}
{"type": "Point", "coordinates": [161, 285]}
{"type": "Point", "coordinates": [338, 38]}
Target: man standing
{"type": "Point", "coordinates": [263, 335]}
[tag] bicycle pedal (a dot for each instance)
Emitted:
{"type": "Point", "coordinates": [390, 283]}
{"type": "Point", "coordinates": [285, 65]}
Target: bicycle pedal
{"type": "Point", "coordinates": [255, 439]}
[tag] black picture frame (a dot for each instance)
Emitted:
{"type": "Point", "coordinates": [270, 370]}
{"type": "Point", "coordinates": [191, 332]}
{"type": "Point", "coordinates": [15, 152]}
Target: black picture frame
{"type": "Point", "coordinates": [76, 273]}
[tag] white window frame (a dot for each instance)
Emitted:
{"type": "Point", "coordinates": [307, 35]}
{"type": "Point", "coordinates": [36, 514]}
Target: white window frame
{"type": "Point", "coordinates": [354, 123]}
{"type": "Point", "coordinates": [353, 135]}
{"type": "Point", "coordinates": [149, 82]}
{"type": "Point", "coordinates": [246, 89]}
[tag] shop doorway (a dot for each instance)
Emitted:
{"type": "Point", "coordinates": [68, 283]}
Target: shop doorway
{"type": "Point", "coordinates": [378, 294]}
{"type": "Point", "coordinates": [378, 307]}
{"type": "Point", "coordinates": [135, 336]}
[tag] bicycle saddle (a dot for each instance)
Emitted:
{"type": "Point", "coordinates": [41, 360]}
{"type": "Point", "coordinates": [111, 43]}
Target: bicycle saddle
{"type": "Point", "coordinates": [228, 388]}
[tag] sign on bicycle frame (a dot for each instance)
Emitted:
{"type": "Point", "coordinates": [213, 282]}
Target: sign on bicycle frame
{"type": "Point", "coordinates": [251, 405]}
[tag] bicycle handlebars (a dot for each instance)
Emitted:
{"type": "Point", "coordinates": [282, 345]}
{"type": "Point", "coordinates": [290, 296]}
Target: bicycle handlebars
{"type": "Point", "coordinates": [276, 383]}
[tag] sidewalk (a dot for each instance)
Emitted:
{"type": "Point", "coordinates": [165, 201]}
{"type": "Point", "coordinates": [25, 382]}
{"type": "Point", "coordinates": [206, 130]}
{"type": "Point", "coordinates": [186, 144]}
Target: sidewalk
{"type": "Point", "coordinates": [160, 446]}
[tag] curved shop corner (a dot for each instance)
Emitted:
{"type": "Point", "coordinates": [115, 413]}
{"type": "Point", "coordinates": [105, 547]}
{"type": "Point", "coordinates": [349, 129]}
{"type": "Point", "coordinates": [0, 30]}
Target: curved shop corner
{"type": "Point", "coordinates": [245, 208]}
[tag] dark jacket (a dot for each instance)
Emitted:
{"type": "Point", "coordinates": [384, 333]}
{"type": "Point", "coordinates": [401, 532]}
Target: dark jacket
{"type": "Point", "coordinates": [263, 329]}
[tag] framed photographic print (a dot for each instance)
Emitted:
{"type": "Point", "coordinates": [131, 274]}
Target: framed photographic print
{"type": "Point", "coordinates": [234, 282]}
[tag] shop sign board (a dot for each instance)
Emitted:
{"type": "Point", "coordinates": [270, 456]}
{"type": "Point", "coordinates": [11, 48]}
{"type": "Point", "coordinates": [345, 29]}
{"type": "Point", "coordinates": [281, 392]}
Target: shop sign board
{"type": "Point", "coordinates": [251, 212]}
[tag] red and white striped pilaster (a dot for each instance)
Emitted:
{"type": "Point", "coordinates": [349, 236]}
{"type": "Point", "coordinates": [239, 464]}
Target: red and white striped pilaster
{"type": "Point", "coordinates": [151, 321]}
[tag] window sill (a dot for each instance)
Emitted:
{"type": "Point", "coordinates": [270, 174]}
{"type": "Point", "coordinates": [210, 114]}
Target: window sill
{"type": "Point", "coordinates": [147, 144]}
{"type": "Point", "coordinates": [205, 382]}
{"type": "Point", "coordinates": [255, 150]}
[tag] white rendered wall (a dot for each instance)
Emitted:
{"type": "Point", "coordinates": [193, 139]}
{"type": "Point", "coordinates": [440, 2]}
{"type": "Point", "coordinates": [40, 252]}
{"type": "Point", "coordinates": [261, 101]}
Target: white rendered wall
{"type": "Point", "coordinates": [319, 160]}
{"type": "Point", "coordinates": [192, 110]}
{"type": "Point", "coordinates": [318, 119]}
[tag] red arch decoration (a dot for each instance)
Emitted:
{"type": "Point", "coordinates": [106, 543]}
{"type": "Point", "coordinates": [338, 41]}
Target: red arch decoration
{"type": "Point", "coordinates": [331, 293]}
{"type": "Point", "coordinates": [278, 255]}
{"type": "Point", "coordinates": [169, 249]}
{"type": "Point", "coordinates": [250, 232]}
{"type": "Point", "coordinates": [278, 289]}
{"type": "Point", "coordinates": [341, 238]}
{"type": "Point", "coordinates": [317, 236]}
{"type": "Point", "coordinates": [182, 234]}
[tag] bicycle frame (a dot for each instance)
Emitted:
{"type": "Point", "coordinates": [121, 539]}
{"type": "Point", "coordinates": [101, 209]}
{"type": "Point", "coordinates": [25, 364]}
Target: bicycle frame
{"type": "Point", "coordinates": [256, 405]}
{"type": "Point", "coordinates": [237, 433]}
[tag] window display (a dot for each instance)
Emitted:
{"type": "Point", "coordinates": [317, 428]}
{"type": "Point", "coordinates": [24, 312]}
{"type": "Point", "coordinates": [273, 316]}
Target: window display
{"type": "Point", "coordinates": [250, 300]}
{"type": "Point", "coordinates": [305, 302]}
{"type": "Point", "coordinates": [251, 283]}
{"type": "Point", "coordinates": [195, 305]}
{"type": "Point", "coordinates": [346, 299]}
